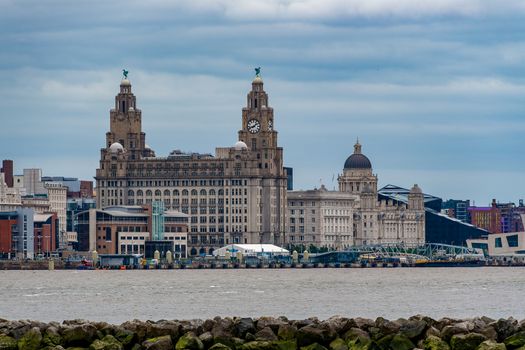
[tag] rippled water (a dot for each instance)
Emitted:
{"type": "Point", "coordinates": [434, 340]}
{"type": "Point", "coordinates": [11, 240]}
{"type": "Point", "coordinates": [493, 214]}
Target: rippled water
{"type": "Point", "coordinates": [116, 296]}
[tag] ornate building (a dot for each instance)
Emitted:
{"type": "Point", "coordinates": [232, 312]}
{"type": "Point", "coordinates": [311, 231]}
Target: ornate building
{"type": "Point", "coordinates": [237, 195]}
{"type": "Point", "coordinates": [354, 215]}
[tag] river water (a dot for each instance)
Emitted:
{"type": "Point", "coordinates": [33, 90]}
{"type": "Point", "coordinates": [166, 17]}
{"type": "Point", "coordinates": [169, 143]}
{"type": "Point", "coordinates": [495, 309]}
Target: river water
{"type": "Point", "coordinates": [117, 296]}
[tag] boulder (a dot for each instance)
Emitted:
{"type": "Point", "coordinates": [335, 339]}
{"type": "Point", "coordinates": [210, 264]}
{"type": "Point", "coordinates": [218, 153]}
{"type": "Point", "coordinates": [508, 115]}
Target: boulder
{"type": "Point", "coordinates": [161, 328]}
{"type": "Point", "coordinates": [189, 341]}
{"type": "Point", "coordinates": [505, 327]}
{"type": "Point", "coordinates": [515, 341]}
{"type": "Point", "coordinates": [356, 335]}
{"type": "Point", "coordinates": [7, 342]}
{"type": "Point", "coordinates": [491, 345]}
{"type": "Point", "coordinates": [386, 327]}
{"type": "Point", "coordinates": [314, 334]}
{"type": "Point", "coordinates": [243, 326]}
{"type": "Point", "coordinates": [448, 331]}
{"type": "Point", "coordinates": [435, 343]}
{"type": "Point", "coordinates": [314, 346]}
{"type": "Point", "coordinates": [109, 342]}
{"type": "Point", "coordinates": [52, 337]}
{"type": "Point", "coordinates": [31, 340]}
{"type": "Point", "coordinates": [401, 342]}
{"type": "Point", "coordinates": [468, 341]}
{"type": "Point", "coordinates": [207, 339]}
{"type": "Point", "coordinates": [265, 334]}
{"type": "Point", "coordinates": [219, 346]}
{"type": "Point", "coordinates": [160, 343]}
{"type": "Point", "coordinates": [271, 322]}
{"type": "Point", "coordinates": [258, 345]}
{"type": "Point", "coordinates": [125, 337]}
{"type": "Point", "coordinates": [384, 342]}
{"type": "Point", "coordinates": [338, 344]}
{"type": "Point", "coordinates": [413, 329]}
{"type": "Point", "coordinates": [79, 335]}
{"type": "Point", "coordinates": [284, 345]}
{"type": "Point", "coordinates": [363, 323]}
{"type": "Point", "coordinates": [340, 324]}
{"type": "Point", "coordinates": [286, 332]}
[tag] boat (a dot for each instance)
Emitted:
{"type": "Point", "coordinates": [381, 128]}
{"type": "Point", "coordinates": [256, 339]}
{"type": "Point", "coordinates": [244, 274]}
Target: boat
{"type": "Point", "coordinates": [450, 263]}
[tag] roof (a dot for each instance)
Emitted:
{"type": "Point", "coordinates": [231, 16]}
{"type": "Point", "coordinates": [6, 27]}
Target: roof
{"type": "Point", "coordinates": [401, 194]}
{"type": "Point", "coordinates": [41, 217]}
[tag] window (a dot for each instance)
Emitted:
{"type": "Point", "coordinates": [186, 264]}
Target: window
{"type": "Point", "coordinates": [512, 240]}
{"type": "Point", "coordinates": [497, 243]}
{"type": "Point", "coordinates": [108, 233]}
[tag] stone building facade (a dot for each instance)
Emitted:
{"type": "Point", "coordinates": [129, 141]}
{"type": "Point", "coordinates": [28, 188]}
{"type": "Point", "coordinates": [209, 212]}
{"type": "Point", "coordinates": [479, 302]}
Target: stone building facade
{"type": "Point", "coordinates": [237, 195]}
{"type": "Point", "coordinates": [354, 215]}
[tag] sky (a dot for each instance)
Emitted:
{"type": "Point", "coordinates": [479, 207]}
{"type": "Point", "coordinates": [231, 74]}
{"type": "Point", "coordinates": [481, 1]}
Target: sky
{"type": "Point", "coordinates": [433, 89]}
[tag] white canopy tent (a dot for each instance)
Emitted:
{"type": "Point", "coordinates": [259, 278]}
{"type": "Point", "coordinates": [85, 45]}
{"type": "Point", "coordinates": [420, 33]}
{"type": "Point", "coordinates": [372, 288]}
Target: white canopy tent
{"type": "Point", "coordinates": [251, 249]}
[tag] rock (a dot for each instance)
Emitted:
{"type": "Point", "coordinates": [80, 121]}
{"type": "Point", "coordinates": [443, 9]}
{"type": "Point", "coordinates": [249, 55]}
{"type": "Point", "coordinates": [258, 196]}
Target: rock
{"type": "Point", "coordinates": [448, 331]}
{"type": "Point", "coordinates": [432, 331]}
{"type": "Point", "coordinates": [340, 324]}
{"type": "Point", "coordinates": [338, 344]}
{"type": "Point", "coordinates": [313, 334]}
{"type": "Point", "coordinates": [286, 332]}
{"type": "Point", "coordinates": [265, 334]}
{"type": "Point", "coordinates": [489, 332]}
{"type": "Point", "coordinates": [161, 328]}
{"type": "Point", "coordinates": [363, 323]}
{"type": "Point", "coordinates": [284, 345]}
{"type": "Point", "coordinates": [491, 345]}
{"type": "Point", "coordinates": [384, 342]}
{"type": "Point", "coordinates": [207, 339]}
{"type": "Point", "coordinates": [466, 341]}
{"type": "Point", "coordinates": [257, 345]}
{"type": "Point", "coordinates": [302, 323]}
{"type": "Point", "coordinates": [109, 342]}
{"type": "Point", "coordinates": [401, 342]}
{"type": "Point", "coordinates": [386, 327]}
{"type": "Point", "coordinates": [52, 337]}
{"type": "Point", "coordinates": [413, 329]}
{"type": "Point", "coordinates": [516, 340]}
{"type": "Point", "coordinates": [7, 342]}
{"type": "Point", "coordinates": [189, 341]}
{"type": "Point", "coordinates": [249, 337]}
{"type": "Point", "coordinates": [222, 331]}
{"type": "Point", "coordinates": [160, 343]}
{"type": "Point", "coordinates": [357, 335]}
{"type": "Point", "coordinates": [220, 346]}
{"type": "Point", "coordinates": [79, 335]}
{"type": "Point", "coordinates": [271, 322]}
{"type": "Point", "coordinates": [505, 327]}
{"type": "Point", "coordinates": [31, 340]}
{"type": "Point", "coordinates": [125, 337]}
{"type": "Point", "coordinates": [243, 326]}
{"type": "Point", "coordinates": [194, 326]}
{"type": "Point", "coordinates": [138, 327]}
{"type": "Point", "coordinates": [435, 343]}
{"type": "Point", "coordinates": [314, 346]}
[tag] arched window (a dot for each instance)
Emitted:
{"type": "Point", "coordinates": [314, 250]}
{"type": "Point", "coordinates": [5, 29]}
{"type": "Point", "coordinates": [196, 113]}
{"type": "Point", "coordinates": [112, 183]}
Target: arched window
{"type": "Point", "coordinates": [211, 251]}
{"type": "Point", "coordinates": [212, 192]}
{"type": "Point", "coordinates": [193, 192]}
{"type": "Point", "coordinates": [203, 192]}
{"type": "Point", "coordinates": [131, 193]}
{"type": "Point", "coordinates": [193, 252]}
{"type": "Point", "coordinates": [176, 193]}
{"type": "Point", "coordinates": [140, 193]}
{"type": "Point", "coordinates": [184, 192]}
{"type": "Point", "coordinates": [148, 193]}
{"type": "Point", "coordinates": [221, 192]}
{"type": "Point", "coordinates": [158, 193]}
{"type": "Point", "coordinates": [202, 251]}
{"type": "Point", "coordinates": [167, 193]}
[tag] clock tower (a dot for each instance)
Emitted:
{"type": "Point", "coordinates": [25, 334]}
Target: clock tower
{"type": "Point", "coordinates": [258, 131]}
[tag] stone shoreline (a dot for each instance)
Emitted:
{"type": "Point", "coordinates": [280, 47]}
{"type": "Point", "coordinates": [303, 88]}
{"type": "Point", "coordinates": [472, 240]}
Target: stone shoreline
{"type": "Point", "coordinates": [336, 333]}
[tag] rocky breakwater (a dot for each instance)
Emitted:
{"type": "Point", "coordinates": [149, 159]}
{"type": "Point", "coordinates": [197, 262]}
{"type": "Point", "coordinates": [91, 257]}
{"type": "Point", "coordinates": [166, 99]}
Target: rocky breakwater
{"type": "Point", "coordinates": [336, 333]}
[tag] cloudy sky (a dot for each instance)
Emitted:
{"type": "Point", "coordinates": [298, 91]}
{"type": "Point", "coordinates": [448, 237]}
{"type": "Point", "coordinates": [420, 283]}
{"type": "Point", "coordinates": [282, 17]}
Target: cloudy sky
{"type": "Point", "coordinates": [435, 90]}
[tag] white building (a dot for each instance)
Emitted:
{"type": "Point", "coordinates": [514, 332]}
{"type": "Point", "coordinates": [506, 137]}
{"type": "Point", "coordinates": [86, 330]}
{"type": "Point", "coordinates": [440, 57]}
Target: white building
{"type": "Point", "coordinates": [251, 250]}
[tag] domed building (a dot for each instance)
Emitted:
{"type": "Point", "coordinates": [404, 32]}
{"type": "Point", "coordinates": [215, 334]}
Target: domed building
{"type": "Point", "coordinates": [380, 222]}
{"type": "Point", "coordinates": [354, 215]}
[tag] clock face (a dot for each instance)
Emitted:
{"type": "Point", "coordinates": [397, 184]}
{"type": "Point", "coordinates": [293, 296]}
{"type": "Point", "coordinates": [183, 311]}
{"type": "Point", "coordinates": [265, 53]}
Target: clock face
{"type": "Point", "coordinates": [254, 126]}
{"type": "Point", "coordinates": [270, 125]}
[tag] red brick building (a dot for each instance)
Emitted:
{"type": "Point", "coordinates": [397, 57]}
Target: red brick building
{"type": "Point", "coordinates": [46, 233]}
{"type": "Point", "coordinates": [487, 218]}
{"type": "Point", "coordinates": [8, 225]}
